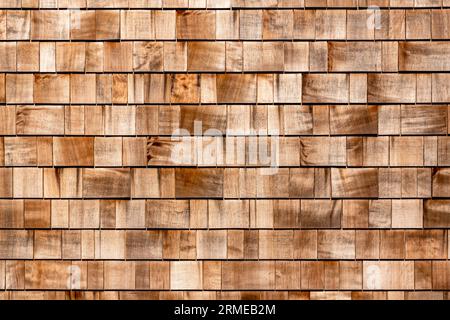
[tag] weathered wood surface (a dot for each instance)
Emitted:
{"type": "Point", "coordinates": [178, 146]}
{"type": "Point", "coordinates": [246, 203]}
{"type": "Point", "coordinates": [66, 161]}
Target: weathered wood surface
{"type": "Point", "coordinates": [224, 149]}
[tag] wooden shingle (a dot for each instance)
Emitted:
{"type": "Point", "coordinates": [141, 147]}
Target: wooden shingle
{"type": "Point", "coordinates": [108, 152]}
{"type": "Point", "coordinates": [227, 24]}
{"type": "Point", "coordinates": [20, 151]}
{"type": "Point", "coordinates": [82, 25]}
{"type": "Point", "coordinates": [27, 183]}
{"type": "Point", "coordinates": [440, 273]}
{"type": "Point", "coordinates": [287, 275]}
{"type": "Point", "coordinates": [354, 56]}
{"type": "Point", "coordinates": [47, 244]}
{"type": "Point", "coordinates": [250, 24]}
{"type": "Point", "coordinates": [73, 151]}
{"type": "Point", "coordinates": [84, 214]}
{"type": "Point", "coordinates": [412, 119]}
{"type": "Point", "coordinates": [392, 25]}
{"type": "Point", "coordinates": [440, 179]}
{"type": "Point", "coordinates": [51, 88]}
{"type": "Point", "coordinates": [440, 20]}
{"type": "Point", "coordinates": [418, 24]}
{"type": "Point", "coordinates": [312, 275]}
{"type": "Point", "coordinates": [63, 182]}
{"type": "Point", "coordinates": [19, 88]}
{"type": "Point", "coordinates": [359, 183]}
{"type": "Point", "coordinates": [336, 244]}
{"type": "Point", "coordinates": [406, 151]}
{"type": "Point", "coordinates": [119, 275]}
{"type": "Point", "coordinates": [435, 242]}
{"type": "Point", "coordinates": [248, 275]}
{"type": "Point", "coordinates": [407, 214]}
{"type": "Point", "coordinates": [391, 88]}
{"type": "Point", "coordinates": [360, 24]}
{"type": "Point", "coordinates": [186, 275]}
{"type": "Point", "coordinates": [107, 24]}
{"type": "Point", "coordinates": [367, 244]}
{"type": "Point", "coordinates": [211, 244]}
{"type": "Point", "coordinates": [30, 120]}
{"type": "Point", "coordinates": [278, 24]}
{"type": "Point", "coordinates": [234, 88]}
{"type": "Point", "coordinates": [50, 25]}
{"type": "Point", "coordinates": [15, 275]}
{"type": "Point", "coordinates": [196, 24]}
{"type": "Point", "coordinates": [18, 25]}
{"type": "Point", "coordinates": [325, 88]}
{"type": "Point", "coordinates": [37, 214]}
{"type": "Point", "coordinates": [419, 56]}
{"type": "Point", "coordinates": [321, 213]}
{"type": "Point", "coordinates": [323, 151]}
{"type": "Point", "coordinates": [136, 25]}
{"type": "Point", "coordinates": [118, 56]}
{"type": "Point", "coordinates": [165, 24]}
{"type": "Point", "coordinates": [148, 56]}
{"type": "Point", "coordinates": [143, 245]}
{"type": "Point", "coordinates": [47, 56]}
{"type": "Point", "coordinates": [276, 244]}
{"type": "Point", "coordinates": [355, 214]}
{"type": "Point", "coordinates": [16, 244]}
{"type": "Point", "coordinates": [228, 214]}
{"type": "Point", "coordinates": [108, 183]}
{"type": "Point", "coordinates": [70, 57]}
{"type": "Point", "coordinates": [12, 210]}
{"type": "Point", "coordinates": [163, 214]}
{"type": "Point", "coordinates": [331, 25]}
{"type": "Point", "coordinates": [58, 276]}
{"type": "Point", "coordinates": [9, 52]}
{"type": "Point", "coordinates": [434, 213]}
{"type": "Point", "coordinates": [388, 275]}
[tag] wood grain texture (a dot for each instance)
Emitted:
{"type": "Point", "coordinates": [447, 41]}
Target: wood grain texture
{"type": "Point", "coordinates": [224, 149]}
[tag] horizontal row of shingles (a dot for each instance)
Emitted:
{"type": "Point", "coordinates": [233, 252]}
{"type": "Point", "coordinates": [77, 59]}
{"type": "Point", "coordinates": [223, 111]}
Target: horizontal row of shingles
{"type": "Point", "coordinates": [225, 183]}
{"type": "Point", "coordinates": [222, 214]}
{"type": "Point", "coordinates": [230, 121]}
{"type": "Point", "coordinates": [225, 152]}
{"type": "Point", "coordinates": [224, 56]}
{"type": "Point", "coordinates": [224, 88]}
{"type": "Point", "coordinates": [240, 214]}
{"type": "Point", "coordinates": [225, 275]}
{"type": "Point", "coordinates": [224, 244]}
{"type": "Point", "coordinates": [219, 4]}
{"type": "Point", "coordinates": [224, 24]}
{"type": "Point", "coordinates": [222, 295]}
{"type": "Point", "coordinates": [194, 214]}
{"type": "Point", "coordinates": [220, 56]}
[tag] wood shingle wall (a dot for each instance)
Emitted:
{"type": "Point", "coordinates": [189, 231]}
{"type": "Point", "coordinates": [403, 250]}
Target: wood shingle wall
{"type": "Point", "coordinates": [224, 149]}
